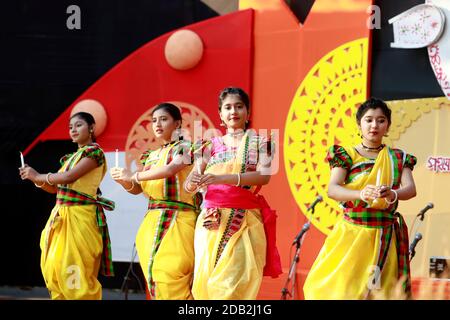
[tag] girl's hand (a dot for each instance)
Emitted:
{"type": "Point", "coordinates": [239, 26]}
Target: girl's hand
{"type": "Point", "coordinates": [383, 191]}
{"type": "Point", "coordinates": [208, 179]}
{"type": "Point", "coordinates": [120, 174]}
{"type": "Point", "coordinates": [192, 182]}
{"type": "Point", "coordinates": [28, 172]}
{"type": "Point", "coordinates": [386, 192]}
{"type": "Point", "coordinates": [195, 179]}
{"type": "Point", "coordinates": [369, 193]}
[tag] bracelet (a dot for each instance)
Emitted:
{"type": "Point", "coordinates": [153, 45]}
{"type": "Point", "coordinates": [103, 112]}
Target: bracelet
{"type": "Point", "coordinates": [132, 186]}
{"type": "Point", "coordinates": [395, 198]}
{"type": "Point", "coordinates": [47, 177]}
{"type": "Point", "coordinates": [39, 186]}
{"type": "Point", "coordinates": [135, 177]}
{"type": "Point", "coordinates": [239, 180]}
{"type": "Point", "coordinates": [361, 196]}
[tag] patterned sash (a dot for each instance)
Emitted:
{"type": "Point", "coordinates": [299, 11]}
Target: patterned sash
{"type": "Point", "coordinates": [169, 205]}
{"type": "Point", "coordinates": [239, 200]}
{"type": "Point", "coordinates": [169, 209]}
{"type": "Point", "coordinates": [379, 214]}
{"type": "Point", "coordinates": [69, 197]}
{"type": "Point", "coordinates": [391, 224]}
{"type": "Point", "coordinates": [174, 205]}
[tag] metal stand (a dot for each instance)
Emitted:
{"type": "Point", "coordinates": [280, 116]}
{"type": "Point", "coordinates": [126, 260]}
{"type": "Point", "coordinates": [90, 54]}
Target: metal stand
{"type": "Point", "coordinates": [127, 279]}
{"type": "Point", "coordinates": [417, 238]}
{"type": "Point", "coordinates": [412, 247]}
{"type": "Point", "coordinates": [292, 270]}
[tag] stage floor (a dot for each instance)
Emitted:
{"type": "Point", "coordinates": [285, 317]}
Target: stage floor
{"type": "Point", "coordinates": [39, 293]}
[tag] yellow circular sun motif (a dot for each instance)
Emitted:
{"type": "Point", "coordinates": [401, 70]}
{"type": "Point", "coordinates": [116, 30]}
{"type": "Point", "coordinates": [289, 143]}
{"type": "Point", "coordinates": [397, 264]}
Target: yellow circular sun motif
{"type": "Point", "coordinates": [195, 125]}
{"type": "Point", "coordinates": [321, 115]}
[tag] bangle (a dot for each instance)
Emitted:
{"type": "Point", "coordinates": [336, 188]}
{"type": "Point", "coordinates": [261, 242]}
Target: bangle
{"type": "Point", "coordinates": [47, 178]}
{"type": "Point", "coordinates": [132, 186]}
{"type": "Point", "coordinates": [239, 180]}
{"type": "Point", "coordinates": [135, 177]}
{"type": "Point", "coordinates": [395, 198]}
{"type": "Point", "coordinates": [361, 196]}
{"type": "Point", "coordinates": [39, 186]}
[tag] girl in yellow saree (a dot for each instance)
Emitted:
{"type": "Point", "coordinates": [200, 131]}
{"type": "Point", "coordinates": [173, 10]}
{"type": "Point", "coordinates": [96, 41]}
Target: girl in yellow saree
{"type": "Point", "coordinates": [367, 250]}
{"type": "Point", "coordinates": [75, 241]}
{"type": "Point", "coordinates": [165, 239]}
{"type": "Point", "coordinates": [235, 232]}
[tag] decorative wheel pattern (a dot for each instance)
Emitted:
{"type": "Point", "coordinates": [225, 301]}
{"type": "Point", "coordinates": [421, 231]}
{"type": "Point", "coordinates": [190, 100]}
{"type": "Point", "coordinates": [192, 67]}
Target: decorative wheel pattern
{"type": "Point", "coordinates": [322, 114]}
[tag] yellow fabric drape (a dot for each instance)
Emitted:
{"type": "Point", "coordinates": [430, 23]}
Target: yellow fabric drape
{"type": "Point", "coordinates": [383, 165]}
{"type": "Point", "coordinates": [71, 244]}
{"type": "Point", "coordinates": [172, 264]}
{"type": "Point", "coordinates": [347, 261]}
{"type": "Point", "coordinates": [238, 272]}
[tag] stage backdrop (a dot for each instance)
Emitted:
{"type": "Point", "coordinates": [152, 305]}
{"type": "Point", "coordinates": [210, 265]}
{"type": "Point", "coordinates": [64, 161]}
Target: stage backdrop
{"type": "Point", "coordinates": [189, 72]}
{"type": "Point", "coordinates": [306, 80]}
{"type": "Point", "coordinates": [421, 127]}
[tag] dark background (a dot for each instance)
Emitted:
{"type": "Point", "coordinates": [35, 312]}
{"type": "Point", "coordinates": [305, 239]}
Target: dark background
{"type": "Point", "coordinates": [44, 67]}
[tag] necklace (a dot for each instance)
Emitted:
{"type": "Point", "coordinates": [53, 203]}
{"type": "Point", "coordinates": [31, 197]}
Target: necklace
{"type": "Point", "coordinates": [369, 149]}
{"type": "Point", "coordinates": [235, 134]}
{"type": "Point", "coordinates": [167, 144]}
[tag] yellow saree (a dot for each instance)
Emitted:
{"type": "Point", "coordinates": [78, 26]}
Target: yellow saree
{"type": "Point", "coordinates": [230, 259]}
{"type": "Point", "coordinates": [71, 242]}
{"type": "Point", "coordinates": [365, 252]}
{"type": "Point", "coordinates": [165, 239]}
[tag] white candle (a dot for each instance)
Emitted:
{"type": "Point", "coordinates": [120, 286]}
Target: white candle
{"type": "Point", "coordinates": [379, 178]}
{"type": "Point", "coordinates": [21, 160]}
{"type": "Point", "coordinates": [117, 158]}
{"type": "Point", "coordinates": [198, 167]}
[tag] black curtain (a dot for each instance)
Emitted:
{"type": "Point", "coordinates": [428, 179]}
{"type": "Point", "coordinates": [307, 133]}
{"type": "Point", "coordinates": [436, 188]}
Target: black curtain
{"type": "Point", "coordinates": [300, 8]}
{"type": "Point", "coordinates": [44, 67]}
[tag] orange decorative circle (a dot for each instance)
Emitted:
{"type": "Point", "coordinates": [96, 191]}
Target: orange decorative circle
{"type": "Point", "coordinates": [183, 50]}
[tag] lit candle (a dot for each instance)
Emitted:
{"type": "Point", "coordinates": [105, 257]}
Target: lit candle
{"type": "Point", "coordinates": [21, 160]}
{"type": "Point", "coordinates": [379, 178]}
{"type": "Point", "coordinates": [117, 158]}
